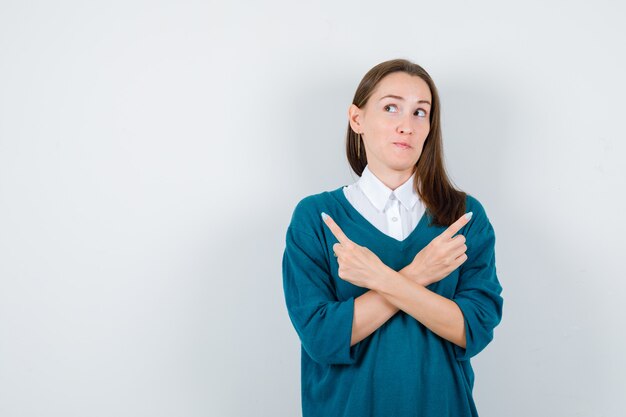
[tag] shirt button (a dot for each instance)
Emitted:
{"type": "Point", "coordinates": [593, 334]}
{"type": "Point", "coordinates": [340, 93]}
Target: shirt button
{"type": "Point", "coordinates": [394, 219]}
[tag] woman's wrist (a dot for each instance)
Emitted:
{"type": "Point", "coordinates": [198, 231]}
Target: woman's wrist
{"type": "Point", "coordinates": [414, 273]}
{"type": "Point", "coordinates": [382, 277]}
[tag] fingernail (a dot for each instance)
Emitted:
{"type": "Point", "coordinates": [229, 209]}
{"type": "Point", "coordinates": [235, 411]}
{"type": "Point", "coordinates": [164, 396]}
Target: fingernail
{"type": "Point", "coordinates": [324, 216]}
{"type": "Point", "coordinates": [468, 215]}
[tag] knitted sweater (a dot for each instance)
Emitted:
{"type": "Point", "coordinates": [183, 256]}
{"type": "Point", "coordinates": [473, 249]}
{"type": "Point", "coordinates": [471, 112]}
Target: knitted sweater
{"type": "Point", "coordinates": [402, 369]}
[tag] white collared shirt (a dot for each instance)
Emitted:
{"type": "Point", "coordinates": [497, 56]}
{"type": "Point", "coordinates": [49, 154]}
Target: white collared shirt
{"type": "Point", "coordinates": [394, 212]}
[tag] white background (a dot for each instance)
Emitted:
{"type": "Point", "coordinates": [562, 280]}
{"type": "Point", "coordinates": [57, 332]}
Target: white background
{"type": "Point", "coordinates": [151, 154]}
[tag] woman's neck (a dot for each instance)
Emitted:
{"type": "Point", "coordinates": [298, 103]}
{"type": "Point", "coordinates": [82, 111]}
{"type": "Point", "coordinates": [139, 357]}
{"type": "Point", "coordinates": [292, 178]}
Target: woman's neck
{"type": "Point", "coordinates": [391, 178]}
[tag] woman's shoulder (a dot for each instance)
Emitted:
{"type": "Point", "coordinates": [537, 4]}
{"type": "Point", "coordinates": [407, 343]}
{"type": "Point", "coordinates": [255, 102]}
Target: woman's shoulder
{"type": "Point", "coordinates": [479, 214]}
{"type": "Point", "coordinates": [308, 210]}
{"type": "Point", "coordinates": [474, 205]}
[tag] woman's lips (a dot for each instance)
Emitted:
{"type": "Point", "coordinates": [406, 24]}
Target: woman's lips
{"type": "Point", "coordinates": [402, 145]}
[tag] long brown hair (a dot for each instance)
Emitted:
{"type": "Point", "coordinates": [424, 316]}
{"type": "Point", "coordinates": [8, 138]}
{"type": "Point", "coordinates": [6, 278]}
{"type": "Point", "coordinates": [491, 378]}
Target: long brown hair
{"type": "Point", "coordinates": [444, 203]}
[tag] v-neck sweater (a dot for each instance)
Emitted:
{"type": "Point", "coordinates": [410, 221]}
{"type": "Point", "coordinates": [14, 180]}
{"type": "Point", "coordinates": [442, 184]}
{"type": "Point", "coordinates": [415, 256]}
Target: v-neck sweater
{"type": "Point", "coordinates": [395, 212]}
{"type": "Point", "coordinates": [402, 369]}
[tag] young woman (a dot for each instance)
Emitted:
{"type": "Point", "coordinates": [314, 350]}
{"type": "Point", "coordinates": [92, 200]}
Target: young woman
{"type": "Point", "coordinates": [391, 282]}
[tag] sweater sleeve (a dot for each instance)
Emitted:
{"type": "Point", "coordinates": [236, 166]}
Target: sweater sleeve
{"type": "Point", "coordinates": [478, 290]}
{"type": "Point", "coordinates": [323, 323]}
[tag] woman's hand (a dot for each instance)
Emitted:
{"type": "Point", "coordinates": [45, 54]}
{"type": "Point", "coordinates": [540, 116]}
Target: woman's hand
{"type": "Point", "coordinates": [357, 264]}
{"type": "Point", "coordinates": [441, 256]}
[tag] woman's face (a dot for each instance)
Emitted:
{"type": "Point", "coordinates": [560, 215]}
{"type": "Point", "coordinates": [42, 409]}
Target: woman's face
{"type": "Point", "coordinates": [395, 122]}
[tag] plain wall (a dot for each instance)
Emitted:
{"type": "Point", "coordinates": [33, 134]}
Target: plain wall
{"type": "Point", "coordinates": [151, 155]}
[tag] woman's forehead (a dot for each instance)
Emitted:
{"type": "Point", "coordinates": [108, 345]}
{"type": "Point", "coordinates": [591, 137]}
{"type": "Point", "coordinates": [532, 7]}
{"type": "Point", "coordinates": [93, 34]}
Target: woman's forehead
{"type": "Point", "coordinates": [402, 85]}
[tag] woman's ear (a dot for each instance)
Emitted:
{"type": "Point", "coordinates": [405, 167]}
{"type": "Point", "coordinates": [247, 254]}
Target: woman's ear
{"type": "Point", "coordinates": [354, 117]}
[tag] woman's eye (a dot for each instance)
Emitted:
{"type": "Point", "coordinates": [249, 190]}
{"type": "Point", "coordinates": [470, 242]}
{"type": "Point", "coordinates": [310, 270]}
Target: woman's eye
{"type": "Point", "coordinates": [423, 112]}
{"type": "Point", "coordinates": [389, 107]}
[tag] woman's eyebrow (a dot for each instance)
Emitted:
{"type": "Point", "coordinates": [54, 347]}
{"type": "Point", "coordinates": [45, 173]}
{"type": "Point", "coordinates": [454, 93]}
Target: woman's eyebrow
{"type": "Point", "coordinates": [401, 98]}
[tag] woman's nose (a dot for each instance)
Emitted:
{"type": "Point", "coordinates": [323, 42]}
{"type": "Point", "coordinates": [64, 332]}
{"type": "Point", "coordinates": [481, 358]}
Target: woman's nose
{"type": "Point", "coordinates": [405, 127]}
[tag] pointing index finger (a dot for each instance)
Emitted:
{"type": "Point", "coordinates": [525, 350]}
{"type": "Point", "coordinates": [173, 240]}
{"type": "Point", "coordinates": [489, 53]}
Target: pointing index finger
{"type": "Point", "coordinates": [457, 225]}
{"type": "Point", "coordinates": [335, 229]}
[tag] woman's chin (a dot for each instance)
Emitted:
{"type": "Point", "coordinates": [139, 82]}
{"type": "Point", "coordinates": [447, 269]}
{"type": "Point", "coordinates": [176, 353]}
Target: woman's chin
{"type": "Point", "coordinates": [401, 164]}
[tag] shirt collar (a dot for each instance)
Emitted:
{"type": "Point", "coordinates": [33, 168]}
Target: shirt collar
{"type": "Point", "coordinates": [378, 193]}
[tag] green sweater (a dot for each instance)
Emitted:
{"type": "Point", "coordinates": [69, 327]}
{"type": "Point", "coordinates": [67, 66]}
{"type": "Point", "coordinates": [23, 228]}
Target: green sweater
{"type": "Point", "coordinates": [402, 369]}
